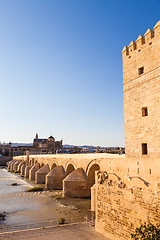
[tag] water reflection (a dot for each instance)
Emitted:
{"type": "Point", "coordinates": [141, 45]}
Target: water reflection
{"type": "Point", "coordinates": [7, 178]}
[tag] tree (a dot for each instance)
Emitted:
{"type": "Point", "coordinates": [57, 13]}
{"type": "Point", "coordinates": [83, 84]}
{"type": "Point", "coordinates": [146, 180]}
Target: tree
{"type": "Point", "coordinates": [147, 232]}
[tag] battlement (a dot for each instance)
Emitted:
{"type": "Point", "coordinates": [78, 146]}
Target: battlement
{"type": "Point", "coordinates": [147, 39]}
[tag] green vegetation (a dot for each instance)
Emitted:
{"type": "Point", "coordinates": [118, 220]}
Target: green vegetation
{"type": "Point", "coordinates": [61, 220]}
{"type": "Point", "coordinates": [12, 171]}
{"type": "Point", "coordinates": [2, 216]}
{"type": "Point", "coordinates": [58, 197]}
{"type": "Point", "coordinates": [14, 184]}
{"type": "Point", "coordinates": [35, 189]}
{"type": "Point", "coordinates": [2, 167]}
{"type": "Point", "coordinates": [147, 232]}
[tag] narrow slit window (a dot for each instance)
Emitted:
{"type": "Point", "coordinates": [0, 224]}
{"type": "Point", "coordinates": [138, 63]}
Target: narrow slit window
{"type": "Point", "coordinates": [140, 70]}
{"type": "Point", "coordinates": [144, 111]}
{"type": "Point", "coordinates": [144, 149]}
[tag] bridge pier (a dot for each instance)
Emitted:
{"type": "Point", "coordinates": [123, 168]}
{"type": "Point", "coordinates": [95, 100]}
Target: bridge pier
{"type": "Point", "coordinates": [23, 169]}
{"type": "Point", "coordinates": [16, 165]}
{"type": "Point", "coordinates": [54, 178]}
{"type": "Point", "coordinates": [9, 164]}
{"type": "Point", "coordinates": [19, 166]}
{"type": "Point", "coordinates": [32, 162]}
{"type": "Point", "coordinates": [32, 171]}
{"type": "Point", "coordinates": [75, 184]}
{"type": "Point", "coordinates": [41, 174]}
{"type": "Point", "coordinates": [93, 195]}
{"type": "Point", "coordinates": [12, 165]}
{"type": "Point", "coordinates": [26, 172]}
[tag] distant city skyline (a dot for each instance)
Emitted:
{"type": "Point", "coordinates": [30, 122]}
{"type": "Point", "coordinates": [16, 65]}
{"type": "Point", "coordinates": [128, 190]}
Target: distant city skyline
{"type": "Point", "coordinates": [61, 67]}
{"type": "Point", "coordinates": [65, 145]}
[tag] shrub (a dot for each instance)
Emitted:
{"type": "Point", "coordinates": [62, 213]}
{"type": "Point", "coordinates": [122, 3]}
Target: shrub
{"type": "Point", "coordinates": [14, 184]}
{"type": "Point", "coordinates": [61, 220]}
{"type": "Point", "coordinates": [2, 167]}
{"type": "Point", "coordinates": [147, 232]}
{"type": "Point", "coordinates": [35, 189]}
{"type": "Point", "coordinates": [2, 216]}
{"type": "Point", "coordinates": [58, 197]}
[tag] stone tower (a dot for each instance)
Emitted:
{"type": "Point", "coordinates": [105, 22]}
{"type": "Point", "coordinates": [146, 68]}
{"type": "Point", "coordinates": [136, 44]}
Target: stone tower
{"type": "Point", "coordinates": [141, 85]}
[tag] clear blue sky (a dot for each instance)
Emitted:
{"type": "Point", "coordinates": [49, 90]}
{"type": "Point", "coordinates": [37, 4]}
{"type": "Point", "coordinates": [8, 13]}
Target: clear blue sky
{"type": "Point", "coordinates": [61, 67]}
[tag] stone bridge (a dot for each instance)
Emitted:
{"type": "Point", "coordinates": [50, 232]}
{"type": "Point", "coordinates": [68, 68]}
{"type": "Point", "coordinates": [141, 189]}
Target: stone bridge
{"type": "Point", "coordinates": [74, 173]}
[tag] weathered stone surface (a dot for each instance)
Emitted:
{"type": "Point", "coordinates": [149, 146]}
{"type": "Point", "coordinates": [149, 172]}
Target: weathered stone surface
{"type": "Point", "coordinates": [23, 169]}
{"type": "Point", "coordinates": [19, 166]}
{"type": "Point", "coordinates": [142, 90]}
{"type": "Point", "coordinates": [12, 165]}
{"type": "Point", "coordinates": [75, 184]}
{"type": "Point", "coordinates": [93, 198]}
{"type": "Point", "coordinates": [26, 172]}
{"type": "Point", "coordinates": [41, 174]}
{"type": "Point", "coordinates": [16, 165]}
{"type": "Point", "coordinates": [32, 171]}
{"type": "Point", "coordinates": [54, 178]}
{"type": "Point", "coordinates": [121, 207]}
{"type": "Point", "coordinates": [9, 164]}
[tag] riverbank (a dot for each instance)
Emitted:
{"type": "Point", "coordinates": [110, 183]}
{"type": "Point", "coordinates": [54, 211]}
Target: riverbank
{"type": "Point", "coordinates": [25, 210]}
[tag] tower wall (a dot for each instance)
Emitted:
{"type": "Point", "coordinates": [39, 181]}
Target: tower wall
{"type": "Point", "coordinates": [141, 74]}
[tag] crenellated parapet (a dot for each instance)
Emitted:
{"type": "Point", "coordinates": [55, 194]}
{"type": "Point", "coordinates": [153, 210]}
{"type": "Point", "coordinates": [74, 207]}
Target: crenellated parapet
{"type": "Point", "coordinates": [147, 39]}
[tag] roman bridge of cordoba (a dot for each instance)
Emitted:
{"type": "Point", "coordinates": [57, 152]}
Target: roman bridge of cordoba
{"type": "Point", "coordinates": [126, 191]}
{"type": "Point", "coordinates": [74, 173]}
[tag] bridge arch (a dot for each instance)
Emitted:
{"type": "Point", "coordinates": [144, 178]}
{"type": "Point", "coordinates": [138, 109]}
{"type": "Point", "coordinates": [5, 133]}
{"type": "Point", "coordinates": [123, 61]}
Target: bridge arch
{"type": "Point", "coordinates": [70, 167]}
{"type": "Point", "coordinates": [90, 171]}
{"type": "Point", "coordinates": [37, 164]}
{"type": "Point", "coordinates": [31, 162]}
{"type": "Point", "coordinates": [41, 165]}
{"type": "Point", "coordinates": [53, 165]}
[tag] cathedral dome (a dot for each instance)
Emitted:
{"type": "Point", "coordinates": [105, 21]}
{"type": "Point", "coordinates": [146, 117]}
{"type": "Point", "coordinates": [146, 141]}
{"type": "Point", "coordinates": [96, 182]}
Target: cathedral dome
{"type": "Point", "coordinates": [51, 138]}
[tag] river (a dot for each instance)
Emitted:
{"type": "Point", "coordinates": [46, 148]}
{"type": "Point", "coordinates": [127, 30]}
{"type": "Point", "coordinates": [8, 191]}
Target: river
{"type": "Point", "coordinates": [36, 209]}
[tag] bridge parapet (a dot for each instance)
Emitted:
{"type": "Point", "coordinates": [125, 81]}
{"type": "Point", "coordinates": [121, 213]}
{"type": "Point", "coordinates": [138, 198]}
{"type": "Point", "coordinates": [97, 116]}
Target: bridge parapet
{"type": "Point", "coordinates": [85, 161]}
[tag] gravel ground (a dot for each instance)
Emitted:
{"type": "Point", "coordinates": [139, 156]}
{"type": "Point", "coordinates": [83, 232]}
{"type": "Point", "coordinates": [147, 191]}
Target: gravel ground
{"type": "Point", "coordinates": [80, 231]}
